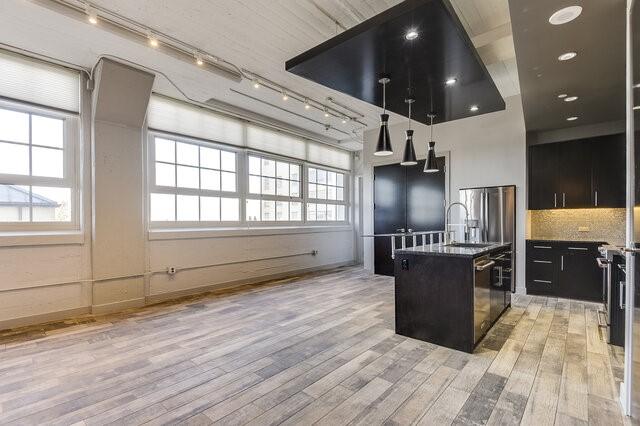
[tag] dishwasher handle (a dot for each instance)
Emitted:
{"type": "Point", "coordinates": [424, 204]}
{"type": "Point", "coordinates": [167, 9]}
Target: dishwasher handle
{"type": "Point", "coordinates": [483, 266]}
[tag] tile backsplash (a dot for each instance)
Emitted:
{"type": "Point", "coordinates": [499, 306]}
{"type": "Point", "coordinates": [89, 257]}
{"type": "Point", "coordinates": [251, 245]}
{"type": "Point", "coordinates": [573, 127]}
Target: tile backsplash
{"type": "Point", "coordinates": [578, 224]}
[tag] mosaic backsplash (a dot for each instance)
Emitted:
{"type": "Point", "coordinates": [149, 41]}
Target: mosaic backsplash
{"type": "Point", "coordinates": [566, 224]}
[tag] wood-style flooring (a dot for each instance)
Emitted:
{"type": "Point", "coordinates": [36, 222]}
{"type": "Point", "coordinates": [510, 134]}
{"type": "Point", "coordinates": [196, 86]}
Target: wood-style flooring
{"type": "Point", "coordinates": [318, 348]}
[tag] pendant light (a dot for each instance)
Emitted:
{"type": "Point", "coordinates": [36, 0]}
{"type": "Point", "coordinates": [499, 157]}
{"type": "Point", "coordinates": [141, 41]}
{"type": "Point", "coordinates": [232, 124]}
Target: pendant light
{"type": "Point", "coordinates": [409, 156]}
{"type": "Point", "coordinates": [431, 165]}
{"type": "Point", "coordinates": [383, 148]}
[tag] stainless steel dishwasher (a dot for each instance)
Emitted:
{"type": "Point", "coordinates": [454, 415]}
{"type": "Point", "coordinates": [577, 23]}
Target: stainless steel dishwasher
{"type": "Point", "coordinates": [481, 296]}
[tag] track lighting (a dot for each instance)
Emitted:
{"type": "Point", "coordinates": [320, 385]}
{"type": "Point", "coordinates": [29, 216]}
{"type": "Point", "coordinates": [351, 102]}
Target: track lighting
{"type": "Point", "coordinates": [409, 156]}
{"type": "Point", "coordinates": [306, 104]}
{"type": "Point", "coordinates": [383, 148]}
{"type": "Point", "coordinates": [256, 84]}
{"type": "Point", "coordinates": [284, 96]}
{"type": "Point", "coordinates": [326, 112]}
{"type": "Point", "coordinates": [431, 165]}
{"type": "Point", "coordinates": [92, 16]}
{"type": "Point", "coordinates": [153, 42]}
{"type": "Point", "coordinates": [199, 59]}
{"type": "Point", "coordinates": [344, 120]}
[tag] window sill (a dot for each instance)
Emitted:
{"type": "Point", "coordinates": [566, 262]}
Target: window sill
{"type": "Point", "coordinates": [35, 238]}
{"type": "Point", "coordinates": [194, 233]}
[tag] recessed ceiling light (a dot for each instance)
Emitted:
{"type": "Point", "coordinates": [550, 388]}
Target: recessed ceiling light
{"type": "Point", "coordinates": [636, 86]}
{"type": "Point", "coordinates": [451, 81]}
{"type": "Point", "coordinates": [473, 108]}
{"type": "Point", "coordinates": [562, 95]}
{"type": "Point", "coordinates": [637, 107]}
{"type": "Point", "coordinates": [411, 35]}
{"type": "Point", "coordinates": [565, 15]}
{"type": "Point", "coordinates": [571, 99]}
{"type": "Point", "coordinates": [574, 118]}
{"type": "Point", "coordinates": [567, 56]}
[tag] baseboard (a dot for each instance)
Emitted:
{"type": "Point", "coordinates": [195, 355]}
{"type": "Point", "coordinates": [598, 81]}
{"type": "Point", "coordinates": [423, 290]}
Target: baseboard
{"type": "Point", "coordinates": [163, 297]}
{"type": "Point", "coordinates": [43, 318]}
{"type": "Point", "coordinates": [121, 305]}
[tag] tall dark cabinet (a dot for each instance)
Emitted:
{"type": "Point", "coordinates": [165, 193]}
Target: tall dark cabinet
{"type": "Point", "coordinates": [585, 173]}
{"type": "Point", "coordinates": [405, 198]}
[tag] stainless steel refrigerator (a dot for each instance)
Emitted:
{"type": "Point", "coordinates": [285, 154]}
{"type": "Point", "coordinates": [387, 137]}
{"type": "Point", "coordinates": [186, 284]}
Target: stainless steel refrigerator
{"type": "Point", "coordinates": [492, 217]}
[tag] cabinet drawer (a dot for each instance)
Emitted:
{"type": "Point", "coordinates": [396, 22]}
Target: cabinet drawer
{"type": "Point", "coordinates": [540, 286]}
{"type": "Point", "coordinates": [541, 269]}
{"type": "Point", "coordinates": [541, 251]}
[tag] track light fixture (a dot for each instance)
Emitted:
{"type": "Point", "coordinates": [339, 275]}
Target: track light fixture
{"type": "Point", "coordinates": [431, 165]}
{"type": "Point", "coordinates": [409, 156]}
{"type": "Point", "coordinates": [199, 60]}
{"type": "Point", "coordinates": [383, 148]}
{"type": "Point", "coordinates": [92, 16]}
{"type": "Point", "coordinates": [284, 96]}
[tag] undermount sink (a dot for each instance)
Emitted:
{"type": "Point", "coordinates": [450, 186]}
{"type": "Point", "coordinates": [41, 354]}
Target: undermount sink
{"type": "Point", "coordinates": [468, 245]}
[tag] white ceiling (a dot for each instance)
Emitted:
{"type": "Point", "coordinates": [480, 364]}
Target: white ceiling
{"type": "Point", "coordinates": [258, 35]}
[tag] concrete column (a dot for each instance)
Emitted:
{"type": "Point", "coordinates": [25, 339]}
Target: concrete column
{"type": "Point", "coordinates": [120, 100]}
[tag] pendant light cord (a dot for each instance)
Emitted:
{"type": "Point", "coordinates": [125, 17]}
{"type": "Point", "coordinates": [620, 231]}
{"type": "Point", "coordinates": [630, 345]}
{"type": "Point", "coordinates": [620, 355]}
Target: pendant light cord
{"type": "Point", "coordinates": [431, 128]}
{"type": "Point", "coordinates": [384, 97]}
{"type": "Point", "coordinates": [410, 115]}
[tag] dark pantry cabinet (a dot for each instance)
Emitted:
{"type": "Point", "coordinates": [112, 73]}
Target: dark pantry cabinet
{"type": "Point", "coordinates": [583, 173]}
{"type": "Point", "coordinates": [405, 198]}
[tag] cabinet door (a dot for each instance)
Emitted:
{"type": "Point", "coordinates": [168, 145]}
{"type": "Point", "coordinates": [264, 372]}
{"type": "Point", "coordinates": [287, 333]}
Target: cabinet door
{"type": "Point", "coordinates": [389, 212]}
{"type": "Point", "coordinates": [543, 170]}
{"type": "Point", "coordinates": [608, 171]}
{"type": "Point", "coordinates": [425, 197]}
{"type": "Point", "coordinates": [574, 175]}
{"type": "Point", "coordinates": [579, 276]}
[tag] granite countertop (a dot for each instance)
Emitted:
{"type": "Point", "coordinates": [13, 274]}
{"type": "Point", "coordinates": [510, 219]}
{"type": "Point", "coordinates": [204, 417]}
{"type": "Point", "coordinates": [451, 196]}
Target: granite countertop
{"type": "Point", "coordinates": [445, 250]}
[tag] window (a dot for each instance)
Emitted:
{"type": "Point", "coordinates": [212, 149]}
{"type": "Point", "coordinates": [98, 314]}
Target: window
{"type": "Point", "coordinates": [328, 188]}
{"type": "Point", "coordinates": [38, 189]}
{"type": "Point", "coordinates": [192, 182]}
{"type": "Point", "coordinates": [274, 190]}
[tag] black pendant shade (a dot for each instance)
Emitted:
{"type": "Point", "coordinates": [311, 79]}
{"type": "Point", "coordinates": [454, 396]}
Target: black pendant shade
{"type": "Point", "coordinates": [409, 156]}
{"type": "Point", "coordinates": [383, 148]}
{"type": "Point", "coordinates": [431, 165]}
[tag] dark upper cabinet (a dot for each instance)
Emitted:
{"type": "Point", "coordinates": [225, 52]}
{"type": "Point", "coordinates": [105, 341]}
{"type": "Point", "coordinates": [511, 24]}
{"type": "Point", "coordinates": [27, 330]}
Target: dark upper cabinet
{"type": "Point", "coordinates": [573, 176]}
{"type": "Point", "coordinates": [609, 171]}
{"type": "Point", "coordinates": [543, 166]}
{"type": "Point", "coordinates": [578, 174]}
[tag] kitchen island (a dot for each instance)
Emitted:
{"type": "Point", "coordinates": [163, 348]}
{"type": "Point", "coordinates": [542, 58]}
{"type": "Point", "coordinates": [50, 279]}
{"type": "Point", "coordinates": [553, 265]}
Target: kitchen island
{"type": "Point", "coordinates": [451, 294]}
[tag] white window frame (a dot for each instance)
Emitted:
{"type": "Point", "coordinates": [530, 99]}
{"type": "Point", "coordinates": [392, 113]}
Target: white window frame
{"type": "Point", "coordinates": [153, 188]}
{"type": "Point", "coordinates": [345, 198]}
{"type": "Point", "coordinates": [70, 179]}
{"type": "Point", "coordinates": [276, 198]}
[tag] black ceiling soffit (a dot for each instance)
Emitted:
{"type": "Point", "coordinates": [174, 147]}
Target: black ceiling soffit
{"type": "Point", "coordinates": [353, 62]}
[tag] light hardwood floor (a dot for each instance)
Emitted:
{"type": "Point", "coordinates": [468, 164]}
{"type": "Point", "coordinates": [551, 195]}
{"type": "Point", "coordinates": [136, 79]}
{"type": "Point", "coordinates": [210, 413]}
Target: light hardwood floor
{"type": "Point", "coordinates": [315, 349]}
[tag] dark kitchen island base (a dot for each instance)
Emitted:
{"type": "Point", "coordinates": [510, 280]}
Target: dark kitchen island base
{"type": "Point", "coordinates": [434, 296]}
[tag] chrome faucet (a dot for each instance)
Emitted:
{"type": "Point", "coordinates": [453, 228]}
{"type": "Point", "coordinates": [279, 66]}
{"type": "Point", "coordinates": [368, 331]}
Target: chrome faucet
{"type": "Point", "coordinates": [446, 221]}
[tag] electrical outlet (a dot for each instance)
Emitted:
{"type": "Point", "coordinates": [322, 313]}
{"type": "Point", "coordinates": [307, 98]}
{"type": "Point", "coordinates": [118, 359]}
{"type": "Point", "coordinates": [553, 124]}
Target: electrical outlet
{"type": "Point", "coordinates": [171, 270]}
{"type": "Point", "coordinates": [583, 229]}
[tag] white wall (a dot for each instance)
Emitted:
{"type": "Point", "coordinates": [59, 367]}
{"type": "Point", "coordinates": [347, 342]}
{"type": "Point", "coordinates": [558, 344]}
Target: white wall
{"type": "Point", "coordinates": [48, 277]}
{"type": "Point", "coordinates": [486, 150]}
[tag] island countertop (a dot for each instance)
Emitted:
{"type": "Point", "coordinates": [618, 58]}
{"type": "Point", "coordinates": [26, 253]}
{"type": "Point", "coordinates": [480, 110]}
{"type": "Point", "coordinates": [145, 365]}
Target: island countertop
{"type": "Point", "coordinates": [447, 250]}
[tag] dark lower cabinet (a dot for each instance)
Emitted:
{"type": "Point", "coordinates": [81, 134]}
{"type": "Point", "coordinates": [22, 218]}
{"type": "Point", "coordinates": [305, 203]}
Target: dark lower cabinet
{"type": "Point", "coordinates": [564, 269]}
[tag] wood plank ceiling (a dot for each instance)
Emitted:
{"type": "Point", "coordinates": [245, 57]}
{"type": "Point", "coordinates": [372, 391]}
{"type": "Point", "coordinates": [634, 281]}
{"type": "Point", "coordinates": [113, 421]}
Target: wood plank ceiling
{"type": "Point", "coordinates": [258, 35]}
